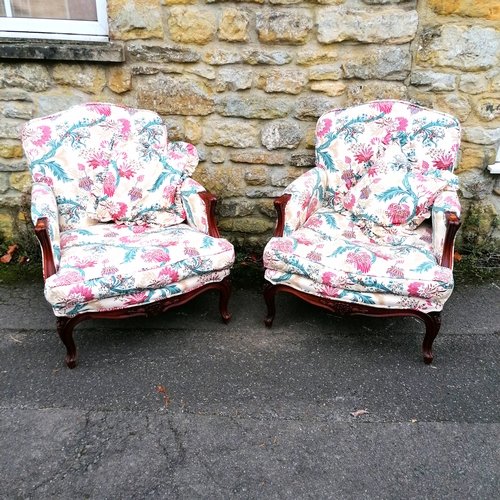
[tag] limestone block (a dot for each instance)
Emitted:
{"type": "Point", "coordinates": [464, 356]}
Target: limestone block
{"type": "Point", "coordinates": [21, 110]}
{"type": "Point", "coordinates": [263, 192]}
{"type": "Point", "coordinates": [325, 72]}
{"type": "Point", "coordinates": [312, 57]}
{"type": "Point", "coordinates": [488, 109]}
{"type": "Point", "coordinates": [287, 26]}
{"type": "Point", "coordinates": [176, 96]}
{"type": "Point", "coordinates": [311, 108]}
{"type": "Point", "coordinates": [337, 24]}
{"type": "Point", "coordinates": [480, 135]}
{"type": "Point", "coordinates": [11, 150]}
{"type": "Point", "coordinates": [232, 208]}
{"type": "Point", "coordinates": [302, 159]}
{"type": "Point", "coordinates": [48, 104]}
{"type": "Point", "coordinates": [148, 52]}
{"type": "Point", "coordinates": [456, 105]}
{"type": "Point", "coordinates": [258, 157]}
{"type": "Point", "coordinates": [470, 159]}
{"type": "Point", "coordinates": [86, 77]}
{"type": "Point", "coordinates": [6, 227]}
{"type": "Point", "coordinates": [218, 155]}
{"type": "Point", "coordinates": [21, 181]}
{"type": "Point", "coordinates": [192, 25]}
{"type": "Point", "coordinates": [473, 83]}
{"type": "Point", "coordinates": [233, 79]}
{"type": "Point", "coordinates": [134, 19]}
{"type": "Point", "coordinates": [282, 177]}
{"type": "Point", "coordinates": [274, 57]}
{"type": "Point", "coordinates": [218, 57]}
{"type": "Point", "coordinates": [4, 187]}
{"type": "Point", "coordinates": [289, 81]}
{"type": "Point", "coordinates": [15, 95]}
{"type": "Point", "coordinates": [192, 130]}
{"type": "Point", "coordinates": [253, 107]}
{"type": "Point", "coordinates": [475, 184]}
{"type": "Point", "coordinates": [202, 70]}
{"type": "Point", "coordinates": [178, 2]}
{"type": "Point", "coordinates": [371, 91]}
{"type": "Point", "coordinates": [311, 139]}
{"type": "Point", "coordinates": [487, 9]}
{"type": "Point", "coordinates": [233, 26]}
{"type": "Point", "coordinates": [331, 89]}
{"type": "Point", "coordinates": [251, 225]}
{"type": "Point", "coordinates": [465, 48]}
{"type": "Point", "coordinates": [435, 81]}
{"type": "Point", "coordinates": [256, 176]}
{"type": "Point", "coordinates": [222, 180]}
{"type": "Point", "coordinates": [231, 133]}
{"type": "Point", "coordinates": [266, 207]}
{"type": "Point", "coordinates": [119, 79]}
{"type": "Point", "coordinates": [25, 76]}
{"type": "Point", "coordinates": [10, 129]}
{"type": "Point", "coordinates": [378, 63]}
{"type": "Point", "coordinates": [281, 134]}
{"type": "Point", "coordinates": [13, 166]}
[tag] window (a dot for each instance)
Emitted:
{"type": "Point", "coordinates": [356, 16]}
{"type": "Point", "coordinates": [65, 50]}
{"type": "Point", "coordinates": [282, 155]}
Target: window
{"type": "Point", "coordinates": [54, 19]}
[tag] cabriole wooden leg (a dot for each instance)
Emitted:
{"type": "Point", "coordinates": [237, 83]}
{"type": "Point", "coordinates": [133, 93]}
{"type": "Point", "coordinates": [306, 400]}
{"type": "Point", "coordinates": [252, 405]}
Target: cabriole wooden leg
{"type": "Point", "coordinates": [432, 326]}
{"type": "Point", "coordinates": [225, 292]}
{"type": "Point", "coordinates": [65, 331]}
{"type": "Point", "coordinates": [269, 293]}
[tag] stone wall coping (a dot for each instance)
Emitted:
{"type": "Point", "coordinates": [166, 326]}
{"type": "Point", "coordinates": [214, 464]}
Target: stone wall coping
{"type": "Point", "coordinates": [63, 51]}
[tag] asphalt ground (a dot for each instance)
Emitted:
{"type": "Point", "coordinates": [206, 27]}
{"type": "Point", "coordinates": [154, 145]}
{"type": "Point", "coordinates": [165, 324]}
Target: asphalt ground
{"type": "Point", "coordinates": [181, 406]}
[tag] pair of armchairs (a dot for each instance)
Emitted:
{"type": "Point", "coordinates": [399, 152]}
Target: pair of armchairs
{"type": "Point", "coordinates": [125, 231]}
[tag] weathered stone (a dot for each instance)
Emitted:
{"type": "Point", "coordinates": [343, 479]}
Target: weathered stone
{"type": "Point", "coordinates": [284, 2]}
{"type": "Point", "coordinates": [174, 130]}
{"type": "Point", "coordinates": [119, 79]}
{"type": "Point", "coordinates": [233, 79]}
{"type": "Point", "coordinates": [246, 225]}
{"type": "Point", "coordinates": [167, 95]}
{"type": "Point", "coordinates": [487, 9]}
{"type": "Point", "coordinates": [284, 176]}
{"type": "Point", "coordinates": [178, 2]}
{"type": "Point", "coordinates": [231, 133]}
{"type": "Point", "coordinates": [266, 207]}
{"type": "Point", "coordinates": [455, 105]}
{"type": "Point", "coordinates": [218, 155]}
{"type": "Point", "coordinates": [48, 104]}
{"type": "Point", "coordinates": [258, 157]}
{"type": "Point", "coordinates": [192, 130]}
{"type": "Point", "coordinates": [331, 89]}
{"type": "Point", "coordinates": [264, 192]}
{"type": "Point", "coordinates": [325, 72]}
{"type": "Point", "coordinates": [234, 208]}
{"type": "Point", "coordinates": [309, 57]}
{"type": "Point", "coordinates": [488, 109]}
{"type": "Point", "coordinates": [192, 25]}
{"type": "Point", "coordinates": [275, 57]}
{"type": "Point", "coordinates": [480, 135]}
{"type": "Point", "coordinates": [337, 24]}
{"type": "Point", "coordinates": [147, 52]}
{"type": "Point", "coordinates": [311, 108]}
{"type": "Point", "coordinates": [21, 181]}
{"type": "Point", "coordinates": [134, 19]}
{"type": "Point", "coordinates": [310, 139]}
{"type": "Point", "coordinates": [236, 1]}
{"type": "Point", "coordinates": [470, 159]}
{"type": "Point", "coordinates": [25, 76]}
{"type": "Point", "coordinates": [256, 176]}
{"type": "Point", "coordinates": [141, 69]}
{"type": "Point", "coordinates": [465, 48]}
{"type": "Point", "coordinates": [281, 134]}
{"type": "Point", "coordinates": [17, 110]}
{"type": "Point", "coordinates": [221, 180]}
{"type": "Point", "coordinates": [290, 26]}
{"type": "Point", "coordinates": [4, 187]}
{"type": "Point", "coordinates": [218, 57]}
{"type": "Point", "coordinates": [379, 63]}
{"type": "Point", "coordinates": [88, 78]}
{"type": "Point", "coordinates": [15, 95]}
{"type": "Point", "coordinates": [289, 81]}
{"type": "Point", "coordinates": [473, 84]}
{"type": "Point", "coordinates": [6, 227]}
{"type": "Point", "coordinates": [302, 160]}
{"type": "Point", "coordinates": [234, 26]}
{"type": "Point", "coordinates": [475, 184]}
{"type": "Point", "coordinates": [14, 166]}
{"type": "Point", "coordinates": [10, 150]}
{"type": "Point", "coordinates": [437, 82]}
{"type": "Point", "coordinates": [10, 129]}
{"type": "Point", "coordinates": [204, 71]}
{"type": "Point", "coordinates": [253, 107]}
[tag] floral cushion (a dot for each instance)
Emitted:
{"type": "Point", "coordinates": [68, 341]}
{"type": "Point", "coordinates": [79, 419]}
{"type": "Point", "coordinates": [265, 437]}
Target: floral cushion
{"type": "Point", "coordinates": [115, 263]}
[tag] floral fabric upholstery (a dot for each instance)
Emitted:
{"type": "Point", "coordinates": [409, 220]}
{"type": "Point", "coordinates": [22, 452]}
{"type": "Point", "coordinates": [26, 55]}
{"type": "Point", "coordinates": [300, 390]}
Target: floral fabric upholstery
{"type": "Point", "coordinates": [126, 222]}
{"type": "Point", "coordinates": [358, 226]}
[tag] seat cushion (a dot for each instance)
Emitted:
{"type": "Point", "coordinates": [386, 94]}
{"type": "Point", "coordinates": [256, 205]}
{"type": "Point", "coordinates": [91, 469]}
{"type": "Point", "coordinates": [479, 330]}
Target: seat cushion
{"type": "Point", "coordinates": [331, 251]}
{"type": "Point", "coordinates": [112, 261]}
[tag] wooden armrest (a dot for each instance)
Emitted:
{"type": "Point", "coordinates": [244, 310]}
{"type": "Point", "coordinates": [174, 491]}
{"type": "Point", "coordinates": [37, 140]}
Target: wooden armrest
{"type": "Point", "coordinates": [42, 233]}
{"type": "Point", "coordinates": [210, 202]}
{"type": "Point", "coordinates": [453, 222]}
{"type": "Point", "coordinates": [280, 205]}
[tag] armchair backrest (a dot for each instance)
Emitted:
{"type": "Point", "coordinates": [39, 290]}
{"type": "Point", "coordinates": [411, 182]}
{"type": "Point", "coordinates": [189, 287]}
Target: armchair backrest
{"type": "Point", "coordinates": [106, 162]}
{"type": "Point", "coordinates": [386, 161]}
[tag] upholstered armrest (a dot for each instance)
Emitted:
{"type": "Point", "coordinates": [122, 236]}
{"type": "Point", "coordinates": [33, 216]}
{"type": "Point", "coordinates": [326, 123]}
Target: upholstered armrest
{"type": "Point", "coordinates": [45, 218]}
{"type": "Point", "coordinates": [301, 198]}
{"type": "Point", "coordinates": [445, 224]}
{"type": "Point", "coordinates": [199, 206]}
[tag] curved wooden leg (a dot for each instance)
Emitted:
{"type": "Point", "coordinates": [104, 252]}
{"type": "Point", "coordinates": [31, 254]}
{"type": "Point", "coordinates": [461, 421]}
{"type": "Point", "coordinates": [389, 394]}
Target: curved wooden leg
{"type": "Point", "coordinates": [432, 326]}
{"type": "Point", "coordinates": [225, 292]}
{"type": "Point", "coordinates": [65, 330]}
{"type": "Point", "coordinates": [269, 293]}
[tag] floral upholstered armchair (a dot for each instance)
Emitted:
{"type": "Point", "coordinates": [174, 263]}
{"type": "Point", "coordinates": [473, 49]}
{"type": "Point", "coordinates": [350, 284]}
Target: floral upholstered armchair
{"type": "Point", "coordinates": [123, 228]}
{"type": "Point", "coordinates": [370, 230]}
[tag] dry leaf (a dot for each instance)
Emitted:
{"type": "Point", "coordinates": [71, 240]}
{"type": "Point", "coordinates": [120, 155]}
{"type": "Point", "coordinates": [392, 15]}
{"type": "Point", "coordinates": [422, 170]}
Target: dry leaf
{"type": "Point", "coordinates": [457, 257]}
{"type": "Point", "coordinates": [161, 389]}
{"type": "Point", "coordinates": [357, 413]}
{"type": "Point", "coordinates": [10, 253]}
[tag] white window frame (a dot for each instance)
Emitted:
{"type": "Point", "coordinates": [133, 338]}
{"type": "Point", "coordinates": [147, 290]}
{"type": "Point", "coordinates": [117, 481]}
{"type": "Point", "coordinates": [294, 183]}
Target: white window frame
{"type": "Point", "coordinates": [56, 29]}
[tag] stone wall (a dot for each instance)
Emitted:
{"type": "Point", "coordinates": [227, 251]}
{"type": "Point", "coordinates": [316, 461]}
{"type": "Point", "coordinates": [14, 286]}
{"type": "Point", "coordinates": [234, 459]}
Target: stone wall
{"type": "Point", "coordinates": [245, 81]}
